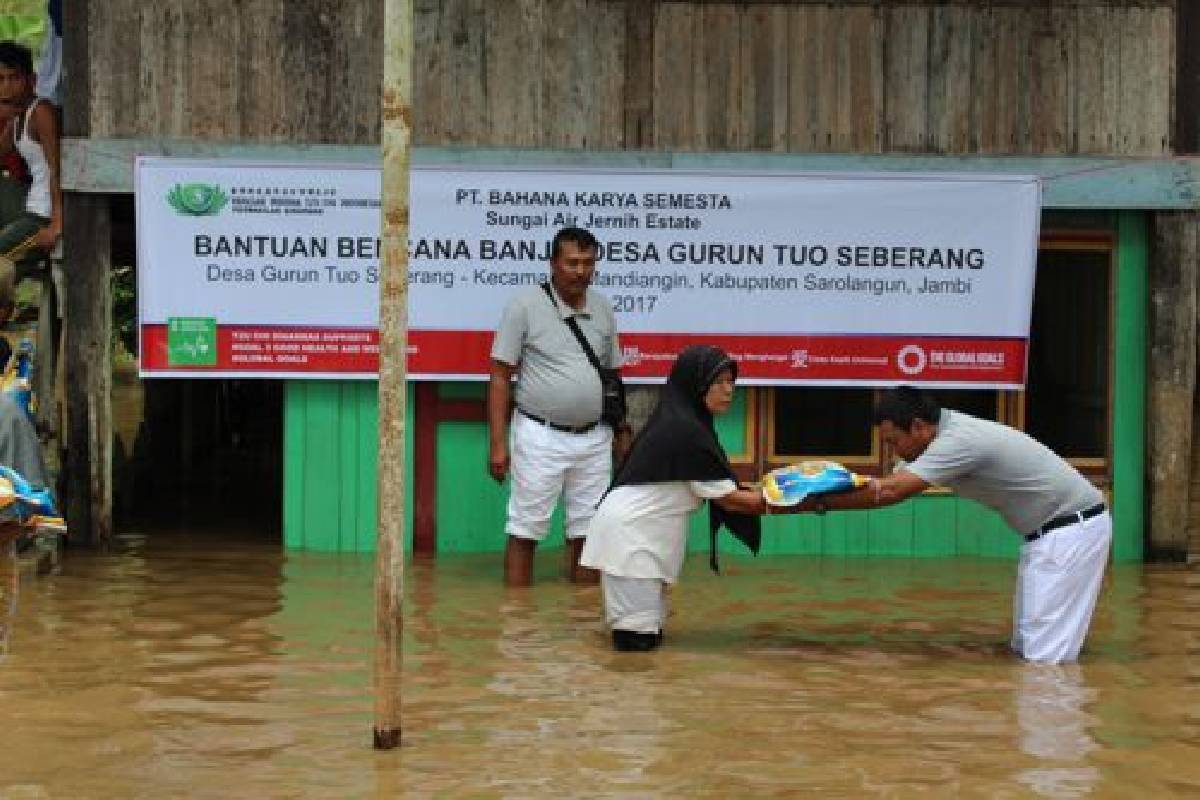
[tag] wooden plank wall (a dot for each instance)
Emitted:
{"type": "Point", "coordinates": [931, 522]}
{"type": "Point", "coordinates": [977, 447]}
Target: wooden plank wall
{"type": "Point", "coordinates": [1039, 77]}
{"type": "Point", "coordinates": [264, 70]}
{"type": "Point", "coordinates": [1089, 76]}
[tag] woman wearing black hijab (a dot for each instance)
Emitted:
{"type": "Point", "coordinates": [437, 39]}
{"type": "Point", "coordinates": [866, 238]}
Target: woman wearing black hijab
{"type": "Point", "coordinates": [638, 536]}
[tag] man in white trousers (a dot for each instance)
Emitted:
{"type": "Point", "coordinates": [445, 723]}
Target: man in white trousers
{"type": "Point", "coordinates": [1061, 515]}
{"type": "Point", "coordinates": [557, 443]}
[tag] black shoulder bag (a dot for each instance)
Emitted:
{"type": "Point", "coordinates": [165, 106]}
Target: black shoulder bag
{"type": "Point", "coordinates": [611, 388]}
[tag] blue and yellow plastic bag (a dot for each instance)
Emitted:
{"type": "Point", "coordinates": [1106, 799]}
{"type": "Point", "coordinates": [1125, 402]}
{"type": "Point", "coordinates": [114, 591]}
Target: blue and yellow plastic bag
{"type": "Point", "coordinates": [788, 485]}
{"type": "Point", "coordinates": [21, 499]}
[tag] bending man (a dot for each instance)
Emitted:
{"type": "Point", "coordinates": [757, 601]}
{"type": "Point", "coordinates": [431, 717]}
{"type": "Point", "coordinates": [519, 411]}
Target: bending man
{"type": "Point", "coordinates": [1062, 516]}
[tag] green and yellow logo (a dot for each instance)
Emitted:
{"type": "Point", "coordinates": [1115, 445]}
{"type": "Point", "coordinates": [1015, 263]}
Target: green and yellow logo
{"type": "Point", "coordinates": [197, 199]}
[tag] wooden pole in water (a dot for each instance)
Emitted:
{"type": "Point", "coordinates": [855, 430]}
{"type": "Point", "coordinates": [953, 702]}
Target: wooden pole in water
{"type": "Point", "coordinates": [396, 107]}
{"type": "Point", "coordinates": [87, 354]}
{"type": "Point", "coordinates": [1171, 380]}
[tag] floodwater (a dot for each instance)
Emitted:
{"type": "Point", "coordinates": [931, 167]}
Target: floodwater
{"type": "Point", "coordinates": [208, 666]}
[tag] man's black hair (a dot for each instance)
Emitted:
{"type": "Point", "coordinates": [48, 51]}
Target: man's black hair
{"type": "Point", "coordinates": [581, 238]}
{"type": "Point", "coordinates": [901, 405]}
{"type": "Point", "coordinates": [16, 56]}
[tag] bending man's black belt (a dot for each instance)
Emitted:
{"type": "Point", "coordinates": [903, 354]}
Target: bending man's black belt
{"type": "Point", "coordinates": [557, 427]}
{"type": "Point", "coordinates": [1064, 520]}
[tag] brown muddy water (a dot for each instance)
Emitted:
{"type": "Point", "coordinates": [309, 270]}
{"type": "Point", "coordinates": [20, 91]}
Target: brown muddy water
{"type": "Point", "coordinates": [205, 666]}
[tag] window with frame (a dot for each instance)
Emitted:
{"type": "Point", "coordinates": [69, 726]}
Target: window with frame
{"type": "Point", "coordinates": [1067, 400]}
{"type": "Point", "coordinates": [809, 422]}
{"type": "Point", "coordinates": [1066, 404]}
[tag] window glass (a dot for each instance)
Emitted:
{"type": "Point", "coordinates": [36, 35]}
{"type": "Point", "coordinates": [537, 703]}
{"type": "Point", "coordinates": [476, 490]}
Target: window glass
{"type": "Point", "coordinates": [982, 403]}
{"type": "Point", "coordinates": [1067, 390]}
{"type": "Point", "coordinates": [823, 421]}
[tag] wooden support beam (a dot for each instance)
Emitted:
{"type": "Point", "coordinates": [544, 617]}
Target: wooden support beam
{"type": "Point", "coordinates": [87, 240]}
{"type": "Point", "coordinates": [1194, 488]}
{"type": "Point", "coordinates": [1187, 140]}
{"type": "Point", "coordinates": [1171, 380]}
{"type": "Point", "coordinates": [77, 64]}
{"type": "Point", "coordinates": [1068, 182]}
{"type": "Point", "coordinates": [87, 358]}
{"type": "Point", "coordinates": [1187, 78]}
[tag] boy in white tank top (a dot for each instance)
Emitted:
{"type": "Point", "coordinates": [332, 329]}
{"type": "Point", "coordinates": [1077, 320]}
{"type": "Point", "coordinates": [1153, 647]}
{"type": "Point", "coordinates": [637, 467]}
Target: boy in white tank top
{"type": "Point", "coordinates": [31, 128]}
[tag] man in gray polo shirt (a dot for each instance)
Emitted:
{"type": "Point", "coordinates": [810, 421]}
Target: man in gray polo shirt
{"type": "Point", "coordinates": [557, 444]}
{"type": "Point", "coordinates": [1062, 516]}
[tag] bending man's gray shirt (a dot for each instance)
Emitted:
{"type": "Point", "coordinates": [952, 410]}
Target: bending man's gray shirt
{"type": "Point", "coordinates": [1005, 469]}
{"type": "Point", "coordinates": [555, 380]}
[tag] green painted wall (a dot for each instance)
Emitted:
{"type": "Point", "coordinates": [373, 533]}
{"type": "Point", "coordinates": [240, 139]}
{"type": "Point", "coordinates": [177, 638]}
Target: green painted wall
{"type": "Point", "coordinates": [331, 448]}
{"type": "Point", "coordinates": [471, 506]}
{"type": "Point", "coordinates": [1129, 387]}
{"type": "Point", "coordinates": [329, 491]}
{"type": "Point", "coordinates": [931, 526]}
{"type": "Point", "coordinates": [330, 443]}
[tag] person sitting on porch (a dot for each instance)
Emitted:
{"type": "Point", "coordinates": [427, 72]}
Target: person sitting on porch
{"type": "Point", "coordinates": [31, 129]}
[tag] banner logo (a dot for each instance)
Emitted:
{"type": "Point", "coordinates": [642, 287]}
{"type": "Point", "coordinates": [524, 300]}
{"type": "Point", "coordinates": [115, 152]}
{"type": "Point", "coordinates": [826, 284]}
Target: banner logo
{"type": "Point", "coordinates": [911, 359]}
{"type": "Point", "coordinates": [192, 341]}
{"type": "Point", "coordinates": [197, 199]}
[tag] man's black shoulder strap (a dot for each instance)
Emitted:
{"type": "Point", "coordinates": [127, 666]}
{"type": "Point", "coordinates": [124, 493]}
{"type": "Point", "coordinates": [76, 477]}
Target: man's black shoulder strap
{"type": "Point", "coordinates": [573, 324]}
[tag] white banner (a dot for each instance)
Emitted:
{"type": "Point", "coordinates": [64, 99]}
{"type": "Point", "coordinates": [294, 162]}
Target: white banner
{"type": "Point", "coordinates": [273, 269]}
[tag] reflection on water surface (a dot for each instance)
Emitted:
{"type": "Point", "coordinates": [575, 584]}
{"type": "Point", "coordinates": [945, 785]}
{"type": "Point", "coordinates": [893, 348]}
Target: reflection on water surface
{"type": "Point", "coordinates": [207, 667]}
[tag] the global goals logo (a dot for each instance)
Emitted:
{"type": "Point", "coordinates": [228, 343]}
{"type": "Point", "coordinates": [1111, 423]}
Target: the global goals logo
{"type": "Point", "coordinates": [911, 359]}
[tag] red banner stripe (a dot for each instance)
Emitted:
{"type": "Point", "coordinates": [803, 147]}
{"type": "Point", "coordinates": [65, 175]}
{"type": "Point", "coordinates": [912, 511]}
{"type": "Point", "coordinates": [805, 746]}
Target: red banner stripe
{"type": "Point", "coordinates": [434, 354]}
